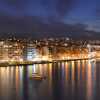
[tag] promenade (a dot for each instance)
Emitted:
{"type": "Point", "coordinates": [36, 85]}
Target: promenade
{"type": "Point", "coordinates": [23, 63]}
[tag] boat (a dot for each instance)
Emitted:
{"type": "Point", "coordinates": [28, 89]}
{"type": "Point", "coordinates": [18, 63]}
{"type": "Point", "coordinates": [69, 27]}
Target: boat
{"type": "Point", "coordinates": [36, 76]}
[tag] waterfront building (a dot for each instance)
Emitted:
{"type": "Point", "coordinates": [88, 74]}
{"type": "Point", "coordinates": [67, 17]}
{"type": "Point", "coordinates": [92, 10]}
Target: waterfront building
{"type": "Point", "coordinates": [10, 51]}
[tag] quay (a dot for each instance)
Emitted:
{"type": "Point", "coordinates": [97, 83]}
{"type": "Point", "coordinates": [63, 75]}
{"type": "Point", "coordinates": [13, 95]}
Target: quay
{"type": "Point", "coordinates": [25, 63]}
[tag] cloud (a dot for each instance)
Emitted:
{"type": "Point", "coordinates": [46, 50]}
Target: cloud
{"type": "Point", "coordinates": [60, 7]}
{"type": "Point", "coordinates": [64, 6]}
{"type": "Point", "coordinates": [34, 23]}
{"type": "Point", "coordinates": [34, 27]}
{"type": "Point", "coordinates": [37, 7]}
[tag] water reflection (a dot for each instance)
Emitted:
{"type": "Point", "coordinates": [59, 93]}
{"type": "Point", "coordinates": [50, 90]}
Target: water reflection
{"type": "Point", "coordinates": [91, 80]}
{"type": "Point", "coordinates": [75, 80]}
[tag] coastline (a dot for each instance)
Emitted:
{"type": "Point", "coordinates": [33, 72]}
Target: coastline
{"type": "Point", "coordinates": [25, 63]}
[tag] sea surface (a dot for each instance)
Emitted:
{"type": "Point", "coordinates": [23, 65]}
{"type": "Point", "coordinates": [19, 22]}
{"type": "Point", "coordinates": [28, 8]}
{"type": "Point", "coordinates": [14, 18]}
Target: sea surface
{"type": "Point", "coordinates": [73, 80]}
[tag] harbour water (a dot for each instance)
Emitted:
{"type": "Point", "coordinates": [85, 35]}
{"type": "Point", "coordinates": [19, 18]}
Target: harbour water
{"type": "Point", "coordinates": [73, 80]}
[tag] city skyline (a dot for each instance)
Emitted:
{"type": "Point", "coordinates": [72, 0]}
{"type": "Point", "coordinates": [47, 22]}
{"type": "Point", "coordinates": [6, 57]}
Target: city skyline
{"type": "Point", "coordinates": [49, 49]}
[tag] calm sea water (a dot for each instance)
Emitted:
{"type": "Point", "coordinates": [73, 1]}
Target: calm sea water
{"type": "Point", "coordinates": [79, 80]}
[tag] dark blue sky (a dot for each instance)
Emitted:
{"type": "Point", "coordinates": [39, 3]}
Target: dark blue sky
{"type": "Point", "coordinates": [29, 15]}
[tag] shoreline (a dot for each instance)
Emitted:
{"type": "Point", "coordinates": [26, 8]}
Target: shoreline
{"type": "Point", "coordinates": [25, 63]}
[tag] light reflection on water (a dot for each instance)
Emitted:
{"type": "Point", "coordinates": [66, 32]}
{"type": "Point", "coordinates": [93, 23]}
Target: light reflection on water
{"type": "Point", "coordinates": [75, 80]}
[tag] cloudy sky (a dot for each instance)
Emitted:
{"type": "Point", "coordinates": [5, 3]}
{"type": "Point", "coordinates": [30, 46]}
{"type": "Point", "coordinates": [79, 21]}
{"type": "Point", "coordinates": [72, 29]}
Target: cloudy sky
{"type": "Point", "coordinates": [49, 16]}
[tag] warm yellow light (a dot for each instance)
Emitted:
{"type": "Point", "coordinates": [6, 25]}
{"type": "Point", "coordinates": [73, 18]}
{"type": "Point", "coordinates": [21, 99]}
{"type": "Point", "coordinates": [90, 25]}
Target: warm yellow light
{"type": "Point", "coordinates": [21, 60]}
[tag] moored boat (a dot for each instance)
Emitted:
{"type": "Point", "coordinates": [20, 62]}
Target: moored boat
{"type": "Point", "coordinates": [36, 76]}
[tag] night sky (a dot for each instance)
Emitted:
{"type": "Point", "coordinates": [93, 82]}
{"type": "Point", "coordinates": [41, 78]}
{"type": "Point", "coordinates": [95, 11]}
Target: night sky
{"type": "Point", "coordinates": [50, 17]}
